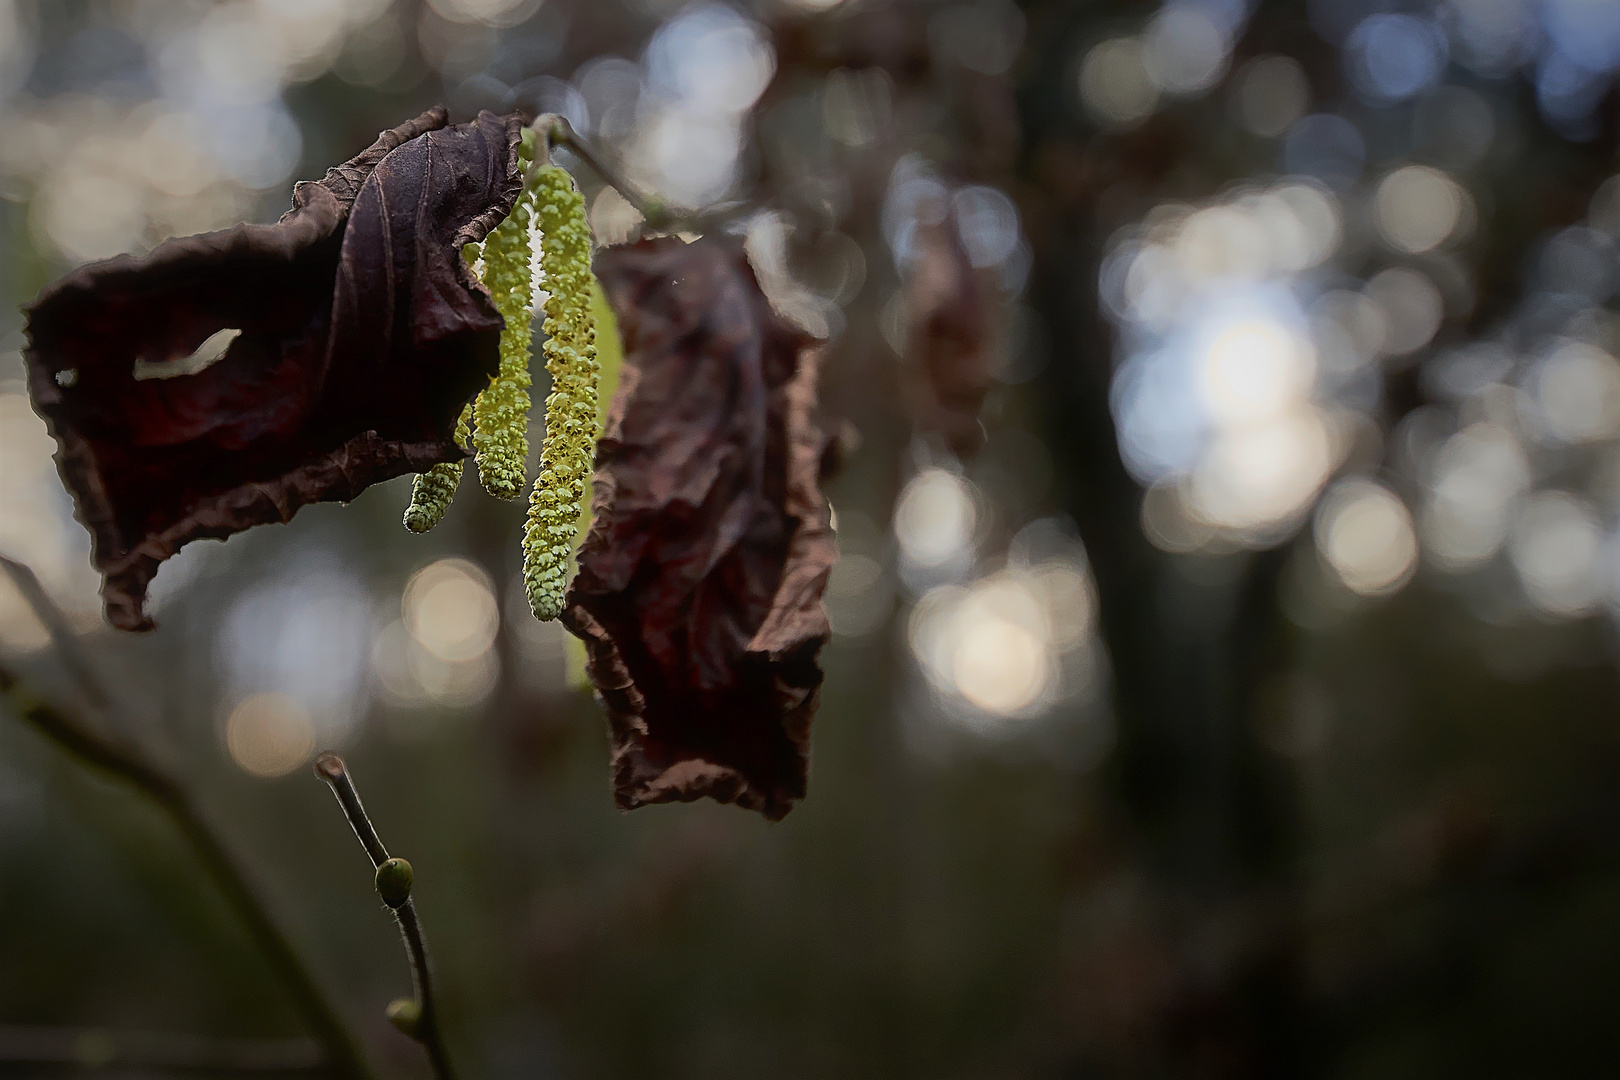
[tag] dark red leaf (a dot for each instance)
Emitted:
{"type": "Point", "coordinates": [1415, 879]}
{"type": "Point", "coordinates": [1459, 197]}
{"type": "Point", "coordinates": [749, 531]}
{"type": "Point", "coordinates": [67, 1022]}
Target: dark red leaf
{"type": "Point", "coordinates": [361, 337]}
{"type": "Point", "coordinates": [699, 588]}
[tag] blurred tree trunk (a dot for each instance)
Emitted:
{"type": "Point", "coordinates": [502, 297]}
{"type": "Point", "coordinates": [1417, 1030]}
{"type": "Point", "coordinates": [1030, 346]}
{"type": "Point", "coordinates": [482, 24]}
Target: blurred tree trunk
{"type": "Point", "coordinates": [1193, 640]}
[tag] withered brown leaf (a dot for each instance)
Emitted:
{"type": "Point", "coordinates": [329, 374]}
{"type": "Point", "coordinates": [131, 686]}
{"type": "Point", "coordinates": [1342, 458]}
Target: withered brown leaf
{"type": "Point", "coordinates": [699, 588]}
{"type": "Point", "coordinates": [359, 335]}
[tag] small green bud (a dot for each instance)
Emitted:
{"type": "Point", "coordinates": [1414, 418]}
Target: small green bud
{"type": "Point", "coordinates": [406, 1015]}
{"type": "Point", "coordinates": [394, 879]}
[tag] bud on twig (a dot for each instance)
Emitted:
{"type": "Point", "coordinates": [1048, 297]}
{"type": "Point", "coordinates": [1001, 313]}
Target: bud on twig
{"type": "Point", "coordinates": [394, 881]}
{"type": "Point", "coordinates": [418, 1019]}
{"type": "Point", "coordinates": [406, 1015]}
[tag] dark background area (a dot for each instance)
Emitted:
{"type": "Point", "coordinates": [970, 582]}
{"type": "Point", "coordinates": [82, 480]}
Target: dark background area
{"type": "Point", "coordinates": [1223, 680]}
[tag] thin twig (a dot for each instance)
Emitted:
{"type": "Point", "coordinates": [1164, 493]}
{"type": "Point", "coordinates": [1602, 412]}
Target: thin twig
{"type": "Point", "coordinates": [66, 642]}
{"type": "Point", "coordinates": [425, 1030]}
{"type": "Point", "coordinates": [555, 130]}
{"type": "Point", "coordinates": [91, 748]}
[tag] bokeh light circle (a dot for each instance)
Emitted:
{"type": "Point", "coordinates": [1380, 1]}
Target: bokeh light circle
{"type": "Point", "coordinates": [1364, 533]}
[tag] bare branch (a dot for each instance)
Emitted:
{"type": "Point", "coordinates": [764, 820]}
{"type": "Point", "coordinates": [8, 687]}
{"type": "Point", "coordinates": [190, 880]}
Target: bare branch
{"type": "Point", "coordinates": [330, 767]}
{"type": "Point", "coordinates": [555, 130]}
{"type": "Point", "coordinates": [422, 1022]}
{"type": "Point", "coordinates": [68, 648]}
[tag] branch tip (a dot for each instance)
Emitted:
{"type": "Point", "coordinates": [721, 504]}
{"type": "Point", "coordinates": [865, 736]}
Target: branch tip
{"type": "Point", "coordinates": [417, 1018]}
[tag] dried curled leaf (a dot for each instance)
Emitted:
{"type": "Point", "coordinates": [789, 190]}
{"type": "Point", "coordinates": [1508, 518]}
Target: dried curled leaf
{"type": "Point", "coordinates": [225, 380]}
{"type": "Point", "coordinates": [699, 588]}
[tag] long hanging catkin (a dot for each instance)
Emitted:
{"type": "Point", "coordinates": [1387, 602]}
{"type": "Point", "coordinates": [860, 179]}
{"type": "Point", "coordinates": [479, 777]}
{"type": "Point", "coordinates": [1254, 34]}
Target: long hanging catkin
{"type": "Point", "coordinates": [571, 412]}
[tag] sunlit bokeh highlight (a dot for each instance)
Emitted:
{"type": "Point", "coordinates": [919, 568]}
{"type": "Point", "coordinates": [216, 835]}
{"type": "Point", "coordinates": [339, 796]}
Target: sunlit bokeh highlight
{"type": "Point", "coordinates": [1255, 344]}
{"type": "Point", "coordinates": [496, 13]}
{"type": "Point", "coordinates": [441, 650]}
{"type": "Point", "coordinates": [1365, 535]}
{"type": "Point", "coordinates": [1253, 369]}
{"type": "Point", "coordinates": [37, 528]}
{"type": "Point", "coordinates": [1115, 82]}
{"type": "Point", "coordinates": [1013, 643]}
{"type": "Point", "coordinates": [989, 644]}
{"type": "Point", "coordinates": [1219, 399]}
{"type": "Point", "coordinates": [703, 71]}
{"type": "Point", "coordinates": [449, 608]}
{"type": "Point", "coordinates": [108, 174]}
{"type": "Point", "coordinates": [269, 735]}
{"type": "Point", "coordinates": [1574, 395]}
{"type": "Point", "coordinates": [1411, 305]}
{"type": "Point", "coordinates": [1475, 481]}
{"type": "Point", "coordinates": [1418, 208]}
{"type": "Point", "coordinates": [1184, 51]}
{"type": "Point", "coordinates": [303, 632]}
{"type": "Point", "coordinates": [935, 518]}
{"type": "Point", "coordinates": [1557, 548]}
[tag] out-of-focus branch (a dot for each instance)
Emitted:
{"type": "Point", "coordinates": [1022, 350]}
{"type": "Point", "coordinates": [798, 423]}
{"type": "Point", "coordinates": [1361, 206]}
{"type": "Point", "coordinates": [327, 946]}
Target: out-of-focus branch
{"type": "Point", "coordinates": [163, 1052]}
{"type": "Point", "coordinates": [68, 649]}
{"type": "Point", "coordinates": [555, 130]}
{"type": "Point", "coordinates": [420, 1018]}
{"type": "Point", "coordinates": [91, 748]}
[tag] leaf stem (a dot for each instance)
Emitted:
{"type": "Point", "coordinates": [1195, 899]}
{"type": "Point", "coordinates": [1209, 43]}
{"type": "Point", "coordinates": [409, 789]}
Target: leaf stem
{"type": "Point", "coordinates": [330, 768]}
{"type": "Point", "coordinates": [91, 748]}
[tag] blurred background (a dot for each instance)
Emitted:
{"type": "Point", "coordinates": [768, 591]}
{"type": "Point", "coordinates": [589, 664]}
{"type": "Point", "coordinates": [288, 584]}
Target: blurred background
{"type": "Point", "coordinates": [1223, 680]}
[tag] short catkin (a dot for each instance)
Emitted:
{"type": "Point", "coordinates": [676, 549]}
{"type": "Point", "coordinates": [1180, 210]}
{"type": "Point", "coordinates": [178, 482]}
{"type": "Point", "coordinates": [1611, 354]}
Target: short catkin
{"type": "Point", "coordinates": [432, 491]}
{"type": "Point", "coordinates": [571, 410]}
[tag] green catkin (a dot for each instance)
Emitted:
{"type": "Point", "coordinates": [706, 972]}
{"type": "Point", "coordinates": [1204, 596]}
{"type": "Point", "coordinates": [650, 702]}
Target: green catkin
{"type": "Point", "coordinates": [545, 240]}
{"type": "Point", "coordinates": [432, 491]}
{"type": "Point", "coordinates": [500, 415]}
{"type": "Point", "coordinates": [571, 410]}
